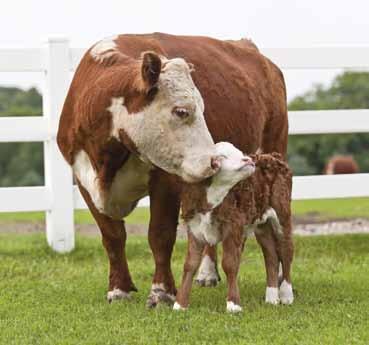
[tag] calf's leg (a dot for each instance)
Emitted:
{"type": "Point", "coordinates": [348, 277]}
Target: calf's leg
{"type": "Point", "coordinates": [285, 252]}
{"type": "Point", "coordinates": [164, 209]}
{"type": "Point", "coordinates": [114, 240]}
{"type": "Point", "coordinates": [208, 274]}
{"type": "Point", "coordinates": [232, 250]}
{"type": "Point", "coordinates": [266, 239]}
{"type": "Point", "coordinates": [192, 262]}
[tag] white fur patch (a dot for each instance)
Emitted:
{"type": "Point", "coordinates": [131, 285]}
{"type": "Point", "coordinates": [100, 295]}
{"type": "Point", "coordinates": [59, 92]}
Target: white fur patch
{"type": "Point", "coordinates": [87, 176]}
{"type": "Point", "coordinates": [233, 308]}
{"type": "Point", "coordinates": [129, 185]}
{"type": "Point", "coordinates": [271, 295]}
{"type": "Point", "coordinates": [286, 293]}
{"type": "Point", "coordinates": [204, 229]}
{"type": "Point", "coordinates": [177, 306]}
{"type": "Point", "coordinates": [269, 215]}
{"type": "Point", "coordinates": [207, 270]}
{"type": "Point", "coordinates": [104, 49]}
{"type": "Point", "coordinates": [117, 294]}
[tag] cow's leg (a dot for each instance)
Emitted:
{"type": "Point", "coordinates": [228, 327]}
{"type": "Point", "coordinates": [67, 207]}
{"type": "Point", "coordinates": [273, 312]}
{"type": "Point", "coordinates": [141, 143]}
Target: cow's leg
{"type": "Point", "coordinates": [114, 240]}
{"type": "Point", "coordinates": [164, 208]}
{"type": "Point", "coordinates": [265, 237]}
{"type": "Point", "coordinates": [192, 263]}
{"type": "Point", "coordinates": [285, 251]}
{"type": "Point", "coordinates": [232, 250]}
{"type": "Point", "coordinates": [208, 274]}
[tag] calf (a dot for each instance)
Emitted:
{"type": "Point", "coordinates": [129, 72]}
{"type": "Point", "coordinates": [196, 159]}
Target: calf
{"type": "Point", "coordinates": [223, 209]}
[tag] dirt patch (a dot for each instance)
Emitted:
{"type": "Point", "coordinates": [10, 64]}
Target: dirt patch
{"type": "Point", "coordinates": [302, 227]}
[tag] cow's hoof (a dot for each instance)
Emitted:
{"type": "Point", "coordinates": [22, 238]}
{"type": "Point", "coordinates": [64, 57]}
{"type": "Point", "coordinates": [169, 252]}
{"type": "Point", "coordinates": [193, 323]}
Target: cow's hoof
{"type": "Point", "coordinates": [177, 306]}
{"type": "Point", "coordinates": [117, 294]}
{"type": "Point", "coordinates": [233, 308]}
{"type": "Point", "coordinates": [272, 295]}
{"type": "Point", "coordinates": [208, 274]}
{"type": "Point", "coordinates": [159, 296]}
{"type": "Point", "coordinates": [286, 293]}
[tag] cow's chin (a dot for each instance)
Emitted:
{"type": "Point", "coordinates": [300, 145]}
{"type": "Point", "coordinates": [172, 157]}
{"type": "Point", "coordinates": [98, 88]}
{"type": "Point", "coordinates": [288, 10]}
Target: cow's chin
{"type": "Point", "coordinates": [191, 178]}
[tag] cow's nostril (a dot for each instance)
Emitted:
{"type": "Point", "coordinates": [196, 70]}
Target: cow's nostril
{"type": "Point", "coordinates": [215, 163]}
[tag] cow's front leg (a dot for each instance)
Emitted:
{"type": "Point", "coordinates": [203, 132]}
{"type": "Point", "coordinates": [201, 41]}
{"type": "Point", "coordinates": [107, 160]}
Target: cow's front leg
{"type": "Point", "coordinates": [193, 259]}
{"type": "Point", "coordinates": [164, 209]}
{"type": "Point", "coordinates": [114, 240]}
{"type": "Point", "coordinates": [232, 250]}
{"type": "Point", "coordinates": [208, 274]}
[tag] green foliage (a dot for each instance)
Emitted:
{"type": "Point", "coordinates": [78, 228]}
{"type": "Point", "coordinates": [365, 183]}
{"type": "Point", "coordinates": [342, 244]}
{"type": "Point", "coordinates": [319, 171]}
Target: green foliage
{"type": "Point", "coordinates": [21, 164]}
{"type": "Point", "coordinates": [308, 154]}
{"type": "Point", "coordinates": [46, 298]}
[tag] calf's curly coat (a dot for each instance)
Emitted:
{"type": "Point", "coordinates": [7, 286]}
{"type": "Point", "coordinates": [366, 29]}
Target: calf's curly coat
{"type": "Point", "coordinates": [260, 203]}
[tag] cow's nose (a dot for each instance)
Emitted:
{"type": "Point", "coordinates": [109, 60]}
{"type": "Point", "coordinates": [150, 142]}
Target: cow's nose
{"type": "Point", "coordinates": [215, 162]}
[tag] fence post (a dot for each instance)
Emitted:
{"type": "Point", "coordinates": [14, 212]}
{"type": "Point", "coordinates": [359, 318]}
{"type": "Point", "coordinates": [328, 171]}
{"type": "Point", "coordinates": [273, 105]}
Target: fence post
{"type": "Point", "coordinates": [58, 174]}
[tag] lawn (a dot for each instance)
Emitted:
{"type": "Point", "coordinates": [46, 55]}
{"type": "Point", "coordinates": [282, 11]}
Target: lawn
{"type": "Point", "coordinates": [46, 298]}
{"type": "Point", "coordinates": [323, 210]}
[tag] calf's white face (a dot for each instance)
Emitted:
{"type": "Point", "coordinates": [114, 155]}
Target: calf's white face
{"type": "Point", "coordinates": [234, 165]}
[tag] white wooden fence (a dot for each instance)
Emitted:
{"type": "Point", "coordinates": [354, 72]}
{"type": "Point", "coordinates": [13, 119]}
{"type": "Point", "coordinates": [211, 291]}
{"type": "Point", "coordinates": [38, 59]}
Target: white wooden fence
{"type": "Point", "coordinates": [58, 198]}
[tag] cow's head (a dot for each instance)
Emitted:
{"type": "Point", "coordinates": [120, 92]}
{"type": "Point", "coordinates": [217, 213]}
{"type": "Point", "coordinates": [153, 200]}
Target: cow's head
{"type": "Point", "coordinates": [164, 118]}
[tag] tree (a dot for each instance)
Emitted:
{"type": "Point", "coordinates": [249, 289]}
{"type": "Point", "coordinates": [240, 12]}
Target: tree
{"type": "Point", "coordinates": [308, 153]}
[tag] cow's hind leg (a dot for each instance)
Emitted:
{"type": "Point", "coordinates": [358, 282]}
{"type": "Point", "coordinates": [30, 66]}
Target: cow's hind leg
{"type": "Point", "coordinates": [164, 209]}
{"type": "Point", "coordinates": [114, 240]}
{"type": "Point", "coordinates": [208, 274]}
{"type": "Point", "coordinates": [266, 238]}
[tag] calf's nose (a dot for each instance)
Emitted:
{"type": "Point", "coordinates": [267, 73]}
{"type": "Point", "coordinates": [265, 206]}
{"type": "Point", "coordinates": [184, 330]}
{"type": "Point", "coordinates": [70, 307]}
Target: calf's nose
{"type": "Point", "coordinates": [215, 162]}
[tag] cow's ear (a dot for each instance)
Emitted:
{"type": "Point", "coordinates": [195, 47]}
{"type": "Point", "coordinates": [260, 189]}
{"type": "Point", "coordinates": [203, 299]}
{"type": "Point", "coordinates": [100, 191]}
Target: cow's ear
{"type": "Point", "coordinates": [150, 69]}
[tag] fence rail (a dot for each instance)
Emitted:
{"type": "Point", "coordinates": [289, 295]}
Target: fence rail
{"type": "Point", "coordinates": [58, 198]}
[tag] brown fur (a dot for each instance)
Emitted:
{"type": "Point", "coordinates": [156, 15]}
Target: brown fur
{"type": "Point", "coordinates": [269, 187]}
{"type": "Point", "coordinates": [341, 165]}
{"type": "Point", "coordinates": [245, 104]}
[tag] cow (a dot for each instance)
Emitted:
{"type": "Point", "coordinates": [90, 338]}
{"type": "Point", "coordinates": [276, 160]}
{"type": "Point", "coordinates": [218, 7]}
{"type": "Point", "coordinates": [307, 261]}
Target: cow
{"type": "Point", "coordinates": [247, 194]}
{"type": "Point", "coordinates": [144, 110]}
{"type": "Point", "coordinates": [341, 165]}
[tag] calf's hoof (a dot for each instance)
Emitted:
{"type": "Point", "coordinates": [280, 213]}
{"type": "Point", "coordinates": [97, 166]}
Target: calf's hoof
{"type": "Point", "coordinates": [272, 295]}
{"type": "Point", "coordinates": [286, 293]}
{"type": "Point", "coordinates": [233, 307]}
{"type": "Point", "coordinates": [208, 274]}
{"type": "Point", "coordinates": [117, 294]}
{"type": "Point", "coordinates": [158, 295]}
{"type": "Point", "coordinates": [177, 306]}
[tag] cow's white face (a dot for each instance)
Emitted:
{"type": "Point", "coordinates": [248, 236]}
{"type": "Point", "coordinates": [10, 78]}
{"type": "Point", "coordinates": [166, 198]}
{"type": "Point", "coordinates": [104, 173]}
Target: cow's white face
{"type": "Point", "coordinates": [234, 165]}
{"type": "Point", "coordinates": [170, 131]}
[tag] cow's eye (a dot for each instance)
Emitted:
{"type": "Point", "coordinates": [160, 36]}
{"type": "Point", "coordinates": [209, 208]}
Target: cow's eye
{"type": "Point", "coordinates": [182, 113]}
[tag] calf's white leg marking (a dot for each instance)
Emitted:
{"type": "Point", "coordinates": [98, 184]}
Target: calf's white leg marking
{"type": "Point", "coordinates": [233, 308]}
{"type": "Point", "coordinates": [286, 293]}
{"type": "Point", "coordinates": [271, 295]}
{"type": "Point", "coordinates": [207, 274]}
{"type": "Point", "coordinates": [117, 294]}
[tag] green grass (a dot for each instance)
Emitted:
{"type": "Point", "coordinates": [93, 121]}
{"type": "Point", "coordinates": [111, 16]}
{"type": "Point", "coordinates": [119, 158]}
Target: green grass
{"type": "Point", "coordinates": [321, 209]}
{"type": "Point", "coordinates": [46, 298]}
{"type": "Point", "coordinates": [332, 208]}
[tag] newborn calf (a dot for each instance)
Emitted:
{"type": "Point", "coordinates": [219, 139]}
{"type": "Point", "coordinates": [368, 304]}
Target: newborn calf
{"type": "Point", "coordinates": [223, 209]}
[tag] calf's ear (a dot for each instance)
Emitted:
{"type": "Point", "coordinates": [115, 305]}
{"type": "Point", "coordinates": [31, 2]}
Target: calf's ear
{"type": "Point", "coordinates": [150, 69]}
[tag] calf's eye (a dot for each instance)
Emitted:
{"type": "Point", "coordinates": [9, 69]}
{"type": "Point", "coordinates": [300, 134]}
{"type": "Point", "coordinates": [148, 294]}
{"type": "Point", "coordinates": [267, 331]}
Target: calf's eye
{"type": "Point", "coordinates": [182, 113]}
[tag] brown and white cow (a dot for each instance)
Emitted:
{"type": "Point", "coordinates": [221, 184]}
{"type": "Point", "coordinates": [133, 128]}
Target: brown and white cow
{"type": "Point", "coordinates": [247, 194]}
{"type": "Point", "coordinates": [341, 164]}
{"type": "Point", "coordinates": [133, 121]}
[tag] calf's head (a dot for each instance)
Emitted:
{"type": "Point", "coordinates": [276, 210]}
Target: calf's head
{"type": "Point", "coordinates": [234, 166]}
{"type": "Point", "coordinates": [168, 129]}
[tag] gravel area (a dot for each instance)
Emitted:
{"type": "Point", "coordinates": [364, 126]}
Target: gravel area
{"type": "Point", "coordinates": [304, 227]}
